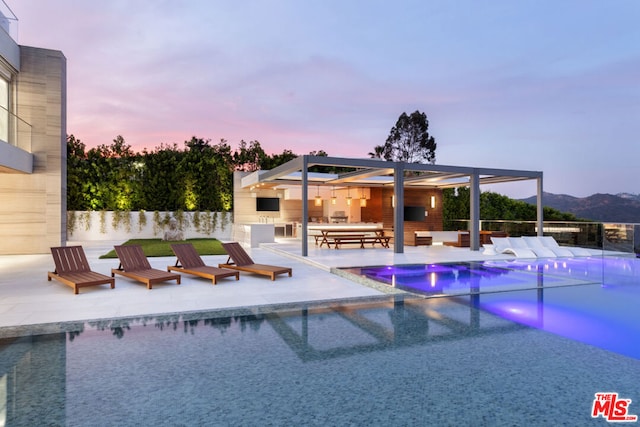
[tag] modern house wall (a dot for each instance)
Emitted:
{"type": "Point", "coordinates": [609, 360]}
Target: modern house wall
{"type": "Point", "coordinates": [244, 205]}
{"type": "Point", "coordinates": [33, 205]}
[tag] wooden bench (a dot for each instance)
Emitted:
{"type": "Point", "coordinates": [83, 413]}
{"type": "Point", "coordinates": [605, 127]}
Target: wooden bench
{"type": "Point", "coordinates": [417, 238]}
{"type": "Point", "coordinates": [383, 240]}
{"type": "Point", "coordinates": [423, 240]}
{"type": "Point", "coordinates": [464, 240]}
{"type": "Point", "coordinates": [330, 238]}
{"type": "Point", "coordinates": [420, 239]}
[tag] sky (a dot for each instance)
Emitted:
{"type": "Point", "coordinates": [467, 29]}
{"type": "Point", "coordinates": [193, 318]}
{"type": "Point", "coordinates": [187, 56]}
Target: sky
{"type": "Point", "coordinates": [543, 85]}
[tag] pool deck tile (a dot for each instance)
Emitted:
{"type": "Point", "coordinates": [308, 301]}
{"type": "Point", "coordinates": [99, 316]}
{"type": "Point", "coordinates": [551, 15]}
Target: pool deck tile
{"type": "Point", "coordinates": [27, 298]}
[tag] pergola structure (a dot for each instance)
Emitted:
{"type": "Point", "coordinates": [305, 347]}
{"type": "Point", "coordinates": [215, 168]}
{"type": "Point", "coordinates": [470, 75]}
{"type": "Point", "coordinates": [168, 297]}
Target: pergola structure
{"type": "Point", "coordinates": [398, 175]}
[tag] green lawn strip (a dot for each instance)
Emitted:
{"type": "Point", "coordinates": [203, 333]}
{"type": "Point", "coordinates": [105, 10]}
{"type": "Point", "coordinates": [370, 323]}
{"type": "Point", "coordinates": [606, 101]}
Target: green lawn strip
{"type": "Point", "coordinates": [160, 248]}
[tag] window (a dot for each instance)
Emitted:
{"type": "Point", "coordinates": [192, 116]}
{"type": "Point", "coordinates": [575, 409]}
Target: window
{"type": "Point", "coordinates": [4, 110]}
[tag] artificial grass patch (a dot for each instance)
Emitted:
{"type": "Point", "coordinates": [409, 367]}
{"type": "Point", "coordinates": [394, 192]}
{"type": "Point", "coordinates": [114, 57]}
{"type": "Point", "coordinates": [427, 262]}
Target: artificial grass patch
{"type": "Point", "coordinates": [158, 247]}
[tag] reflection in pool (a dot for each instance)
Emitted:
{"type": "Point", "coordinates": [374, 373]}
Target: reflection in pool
{"type": "Point", "coordinates": [483, 276]}
{"type": "Point", "coordinates": [543, 293]}
{"type": "Point", "coordinates": [391, 361]}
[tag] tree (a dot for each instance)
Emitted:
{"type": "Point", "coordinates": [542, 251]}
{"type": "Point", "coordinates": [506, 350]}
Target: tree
{"type": "Point", "coordinates": [78, 174]}
{"type": "Point", "coordinates": [161, 183]}
{"type": "Point", "coordinates": [249, 157]}
{"type": "Point", "coordinates": [494, 206]}
{"type": "Point", "coordinates": [197, 177]}
{"type": "Point", "coordinates": [277, 159]}
{"type": "Point", "coordinates": [206, 176]}
{"type": "Point", "coordinates": [319, 153]}
{"type": "Point", "coordinates": [197, 145]}
{"type": "Point", "coordinates": [378, 152]}
{"type": "Point", "coordinates": [409, 141]}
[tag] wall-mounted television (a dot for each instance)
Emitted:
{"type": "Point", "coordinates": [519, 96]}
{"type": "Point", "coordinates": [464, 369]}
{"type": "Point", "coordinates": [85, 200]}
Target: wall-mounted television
{"type": "Point", "coordinates": [414, 213]}
{"type": "Point", "coordinates": [267, 204]}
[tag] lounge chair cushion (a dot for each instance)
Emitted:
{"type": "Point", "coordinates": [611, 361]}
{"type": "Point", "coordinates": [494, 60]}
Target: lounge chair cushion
{"type": "Point", "coordinates": [489, 250]}
{"type": "Point", "coordinates": [500, 243]}
{"type": "Point", "coordinates": [533, 242]}
{"type": "Point", "coordinates": [550, 242]}
{"type": "Point", "coordinates": [517, 243]}
{"type": "Point", "coordinates": [503, 245]}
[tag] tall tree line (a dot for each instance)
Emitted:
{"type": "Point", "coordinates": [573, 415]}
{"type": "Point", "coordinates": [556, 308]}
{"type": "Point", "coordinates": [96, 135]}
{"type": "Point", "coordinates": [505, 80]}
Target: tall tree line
{"type": "Point", "coordinates": [494, 206]}
{"type": "Point", "coordinates": [196, 177]}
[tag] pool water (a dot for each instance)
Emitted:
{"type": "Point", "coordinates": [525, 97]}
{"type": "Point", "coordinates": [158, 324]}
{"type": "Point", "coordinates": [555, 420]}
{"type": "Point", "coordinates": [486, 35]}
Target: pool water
{"type": "Point", "coordinates": [392, 361]}
{"type": "Point", "coordinates": [592, 300]}
{"type": "Point", "coordinates": [476, 357]}
{"type": "Point", "coordinates": [484, 276]}
{"type": "Point", "coordinates": [604, 316]}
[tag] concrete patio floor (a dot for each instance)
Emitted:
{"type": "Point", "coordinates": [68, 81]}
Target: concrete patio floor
{"type": "Point", "coordinates": [27, 298]}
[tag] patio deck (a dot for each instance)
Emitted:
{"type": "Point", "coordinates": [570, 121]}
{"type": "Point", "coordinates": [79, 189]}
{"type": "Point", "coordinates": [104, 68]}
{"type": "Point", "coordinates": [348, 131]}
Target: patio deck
{"type": "Point", "coordinates": [27, 298]}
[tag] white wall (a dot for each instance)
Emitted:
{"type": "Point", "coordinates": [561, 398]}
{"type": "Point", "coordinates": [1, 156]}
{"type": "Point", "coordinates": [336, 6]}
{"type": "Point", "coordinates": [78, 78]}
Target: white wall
{"type": "Point", "coordinates": [93, 225]}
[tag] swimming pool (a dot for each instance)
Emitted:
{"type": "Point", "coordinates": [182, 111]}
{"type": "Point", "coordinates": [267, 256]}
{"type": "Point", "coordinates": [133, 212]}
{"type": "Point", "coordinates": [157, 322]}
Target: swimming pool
{"type": "Point", "coordinates": [385, 361]}
{"type": "Point", "coordinates": [484, 276]}
{"type": "Point", "coordinates": [393, 360]}
{"type": "Point", "coordinates": [592, 300]}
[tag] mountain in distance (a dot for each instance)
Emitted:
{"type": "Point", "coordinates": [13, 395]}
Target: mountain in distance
{"type": "Point", "coordinates": [622, 207]}
{"type": "Point", "coordinates": [629, 196]}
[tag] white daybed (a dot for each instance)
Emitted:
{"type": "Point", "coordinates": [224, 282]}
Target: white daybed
{"type": "Point", "coordinates": [513, 246]}
{"type": "Point", "coordinates": [550, 242]}
{"type": "Point", "coordinates": [533, 247]}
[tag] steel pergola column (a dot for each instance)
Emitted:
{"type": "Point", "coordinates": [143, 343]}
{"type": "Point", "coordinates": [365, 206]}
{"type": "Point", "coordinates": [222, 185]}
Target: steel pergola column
{"type": "Point", "coordinates": [398, 210]}
{"type": "Point", "coordinates": [474, 211]}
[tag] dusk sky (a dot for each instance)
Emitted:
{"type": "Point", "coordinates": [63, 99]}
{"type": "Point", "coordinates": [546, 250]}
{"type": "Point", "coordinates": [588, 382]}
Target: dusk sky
{"type": "Point", "coordinates": [550, 85]}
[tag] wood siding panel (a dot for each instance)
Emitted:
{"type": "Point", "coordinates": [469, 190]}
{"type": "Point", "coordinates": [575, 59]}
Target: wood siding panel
{"type": "Point", "coordinates": [414, 197]}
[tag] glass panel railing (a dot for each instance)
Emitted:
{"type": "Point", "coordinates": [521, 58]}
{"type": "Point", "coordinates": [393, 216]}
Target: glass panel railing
{"type": "Point", "coordinates": [8, 21]}
{"type": "Point", "coordinates": [582, 234]}
{"type": "Point", "coordinates": [15, 131]}
{"type": "Point", "coordinates": [609, 269]}
{"type": "Point", "coordinates": [618, 237]}
{"type": "Point", "coordinates": [621, 268]}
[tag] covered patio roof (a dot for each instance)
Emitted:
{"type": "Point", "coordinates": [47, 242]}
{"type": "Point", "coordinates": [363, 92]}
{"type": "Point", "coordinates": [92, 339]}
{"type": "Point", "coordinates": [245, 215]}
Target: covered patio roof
{"type": "Point", "coordinates": [380, 173]}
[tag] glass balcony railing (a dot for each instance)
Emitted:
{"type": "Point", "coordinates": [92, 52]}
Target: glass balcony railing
{"type": "Point", "coordinates": [621, 237]}
{"type": "Point", "coordinates": [607, 236]}
{"type": "Point", "coordinates": [8, 21]}
{"type": "Point", "coordinates": [15, 131]}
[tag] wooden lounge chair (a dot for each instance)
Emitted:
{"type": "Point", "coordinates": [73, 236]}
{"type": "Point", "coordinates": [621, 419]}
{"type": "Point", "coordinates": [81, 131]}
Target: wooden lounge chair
{"type": "Point", "coordinates": [190, 262]}
{"type": "Point", "coordinates": [72, 269]}
{"type": "Point", "coordinates": [135, 265]}
{"type": "Point", "coordinates": [240, 260]}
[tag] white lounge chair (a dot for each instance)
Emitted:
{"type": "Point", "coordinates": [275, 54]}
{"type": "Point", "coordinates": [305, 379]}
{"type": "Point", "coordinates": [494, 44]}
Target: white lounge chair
{"type": "Point", "coordinates": [520, 245]}
{"type": "Point", "coordinates": [550, 242]}
{"type": "Point", "coordinates": [513, 246]}
{"type": "Point", "coordinates": [535, 244]}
